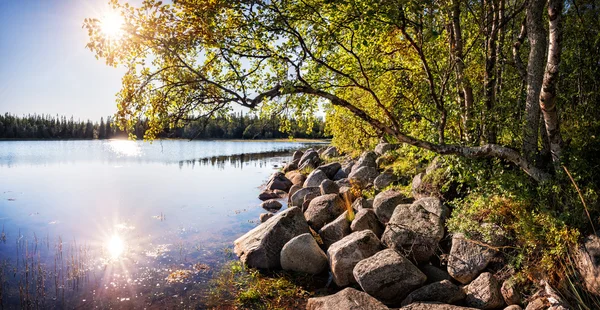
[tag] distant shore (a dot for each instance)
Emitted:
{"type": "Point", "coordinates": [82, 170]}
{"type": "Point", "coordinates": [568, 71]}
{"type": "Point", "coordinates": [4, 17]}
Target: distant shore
{"type": "Point", "coordinates": [303, 140]}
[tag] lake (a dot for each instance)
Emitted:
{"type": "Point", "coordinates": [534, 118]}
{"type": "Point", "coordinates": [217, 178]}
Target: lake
{"type": "Point", "coordinates": [122, 224]}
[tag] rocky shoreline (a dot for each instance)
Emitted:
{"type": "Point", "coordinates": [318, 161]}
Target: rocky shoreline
{"type": "Point", "coordinates": [390, 251]}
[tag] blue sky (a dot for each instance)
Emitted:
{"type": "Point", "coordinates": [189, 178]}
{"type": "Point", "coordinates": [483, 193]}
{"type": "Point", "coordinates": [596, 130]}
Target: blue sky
{"type": "Point", "coordinates": [44, 65]}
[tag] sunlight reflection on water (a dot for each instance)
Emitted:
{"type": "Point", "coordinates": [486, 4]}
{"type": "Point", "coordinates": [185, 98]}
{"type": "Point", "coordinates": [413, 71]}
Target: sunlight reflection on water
{"type": "Point", "coordinates": [125, 148]}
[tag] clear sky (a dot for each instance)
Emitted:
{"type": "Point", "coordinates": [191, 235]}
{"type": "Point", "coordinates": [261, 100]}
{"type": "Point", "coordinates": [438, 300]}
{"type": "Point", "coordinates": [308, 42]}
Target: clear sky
{"type": "Point", "coordinates": [44, 65]}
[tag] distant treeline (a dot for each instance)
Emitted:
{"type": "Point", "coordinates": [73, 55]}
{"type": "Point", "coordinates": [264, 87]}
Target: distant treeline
{"type": "Point", "coordinates": [235, 126]}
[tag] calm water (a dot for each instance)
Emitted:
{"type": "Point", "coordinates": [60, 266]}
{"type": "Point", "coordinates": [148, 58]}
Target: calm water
{"type": "Point", "coordinates": [106, 223]}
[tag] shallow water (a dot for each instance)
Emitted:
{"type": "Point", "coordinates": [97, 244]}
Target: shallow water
{"type": "Point", "coordinates": [107, 223]}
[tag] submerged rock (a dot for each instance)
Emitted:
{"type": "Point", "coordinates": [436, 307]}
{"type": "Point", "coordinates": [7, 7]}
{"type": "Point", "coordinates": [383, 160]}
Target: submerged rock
{"type": "Point", "coordinates": [346, 299]}
{"type": "Point", "coordinates": [346, 253]}
{"type": "Point", "coordinates": [261, 247]}
{"type": "Point", "coordinates": [265, 216]}
{"type": "Point", "coordinates": [271, 194]}
{"type": "Point", "coordinates": [303, 254]}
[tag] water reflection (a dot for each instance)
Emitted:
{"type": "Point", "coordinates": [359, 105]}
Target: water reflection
{"type": "Point", "coordinates": [115, 246]}
{"type": "Point", "coordinates": [125, 148]}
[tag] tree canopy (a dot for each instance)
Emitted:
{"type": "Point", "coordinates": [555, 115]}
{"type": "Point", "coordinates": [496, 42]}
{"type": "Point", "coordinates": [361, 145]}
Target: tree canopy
{"type": "Point", "coordinates": [471, 78]}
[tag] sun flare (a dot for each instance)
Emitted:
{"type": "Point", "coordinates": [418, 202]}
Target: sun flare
{"type": "Point", "coordinates": [112, 25]}
{"type": "Point", "coordinates": [115, 246]}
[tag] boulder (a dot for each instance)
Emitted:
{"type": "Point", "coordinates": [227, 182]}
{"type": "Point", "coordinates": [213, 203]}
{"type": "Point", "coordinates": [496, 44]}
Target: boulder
{"type": "Point", "coordinates": [484, 292]}
{"type": "Point", "coordinates": [433, 306]}
{"type": "Point", "coordinates": [467, 258]}
{"type": "Point", "coordinates": [261, 247]}
{"type": "Point", "coordinates": [291, 166]}
{"type": "Point", "coordinates": [386, 202]}
{"type": "Point", "coordinates": [365, 219]}
{"type": "Point", "coordinates": [363, 177]}
{"type": "Point", "coordinates": [367, 159]}
{"type": "Point", "coordinates": [271, 205]}
{"type": "Point", "coordinates": [343, 183]}
{"type": "Point", "coordinates": [296, 177]}
{"type": "Point", "coordinates": [340, 174]}
{"type": "Point", "coordinates": [434, 205]}
{"type": "Point", "coordinates": [513, 307]}
{"type": "Point", "coordinates": [303, 254]}
{"type": "Point", "coordinates": [293, 190]}
{"type": "Point", "coordinates": [414, 231]}
{"type": "Point", "coordinates": [346, 253]}
{"type": "Point", "coordinates": [347, 193]}
{"type": "Point", "coordinates": [310, 159]}
{"type": "Point", "coordinates": [435, 274]}
{"type": "Point", "coordinates": [336, 230]}
{"type": "Point", "coordinates": [329, 187]}
{"type": "Point", "coordinates": [443, 291]}
{"type": "Point", "coordinates": [546, 299]}
{"type": "Point", "coordinates": [271, 194]}
{"type": "Point", "coordinates": [324, 209]}
{"type": "Point", "coordinates": [417, 186]}
{"type": "Point", "coordinates": [298, 197]}
{"type": "Point", "coordinates": [388, 276]}
{"type": "Point", "coordinates": [346, 299]}
{"type": "Point", "coordinates": [588, 263]}
{"type": "Point", "coordinates": [510, 292]}
{"type": "Point", "coordinates": [361, 203]}
{"type": "Point", "coordinates": [331, 151]}
{"type": "Point", "coordinates": [279, 181]}
{"type": "Point", "coordinates": [297, 155]}
{"type": "Point", "coordinates": [384, 180]}
{"type": "Point", "coordinates": [330, 169]}
{"type": "Point", "coordinates": [347, 167]}
{"type": "Point", "coordinates": [265, 216]}
{"type": "Point", "coordinates": [315, 178]}
{"type": "Point", "coordinates": [383, 147]}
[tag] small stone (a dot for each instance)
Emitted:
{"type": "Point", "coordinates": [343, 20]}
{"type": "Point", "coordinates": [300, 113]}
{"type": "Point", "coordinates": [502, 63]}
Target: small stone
{"type": "Point", "coordinates": [271, 205]}
{"type": "Point", "coordinates": [265, 216]}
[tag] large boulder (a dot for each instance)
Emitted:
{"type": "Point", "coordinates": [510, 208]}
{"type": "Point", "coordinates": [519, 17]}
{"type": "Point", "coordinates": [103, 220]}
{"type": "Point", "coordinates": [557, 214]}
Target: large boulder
{"type": "Point", "coordinates": [467, 258]}
{"type": "Point", "coordinates": [443, 291]}
{"type": "Point", "coordinates": [279, 181]}
{"type": "Point", "coordinates": [329, 187]}
{"type": "Point", "coordinates": [330, 169]}
{"type": "Point", "coordinates": [336, 230]}
{"type": "Point", "coordinates": [384, 147]}
{"type": "Point", "coordinates": [297, 155]}
{"type": "Point", "coordinates": [303, 254]}
{"type": "Point", "coordinates": [346, 253]}
{"type": "Point", "coordinates": [315, 178]}
{"type": "Point", "coordinates": [414, 231]}
{"type": "Point", "coordinates": [384, 180]}
{"type": "Point", "coordinates": [310, 159]}
{"type": "Point", "coordinates": [271, 205]}
{"type": "Point", "coordinates": [363, 177]}
{"type": "Point", "coordinates": [434, 205]}
{"type": "Point", "coordinates": [386, 202]}
{"type": "Point", "coordinates": [261, 247]}
{"type": "Point", "coordinates": [365, 219]}
{"type": "Point", "coordinates": [367, 159]}
{"type": "Point", "coordinates": [433, 306]}
{"type": "Point", "coordinates": [484, 292]}
{"type": "Point", "coordinates": [330, 152]}
{"type": "Point", "coordinates": [298, 197]}
{"type": "Point", "coordinates": [588, 263]}
{"type": "Point", "coordinates": [346, 299]}
{"type": "Point", "coordinates": [324, 209]}
{"type": "Point", "coordinates": [388, 276]}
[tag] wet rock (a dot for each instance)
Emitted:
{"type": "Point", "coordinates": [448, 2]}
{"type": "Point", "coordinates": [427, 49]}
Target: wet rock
{"type": "Point", "coordinates": [346, 253]}
{"type": "Point", "coordinates": [271, 194]}
{"type": "Point", "coordinates": [433, 306]}
{"type": "Point", "coordinates": [297, 155]}
{"type": "Point", "coordinates": [510, 292]}
{"type": "Point", "coordinates": [346, 299]}
{"type": "Point", "coordinates": [261, 247]}
{"type": "Point", "coordinates": [298, 197]}
{"type": "Point", "coordinates": [271, 205]}
{"type": "Point", "coordinates": [435, 274]}
{"type": "Point", "coordinates": [414, 231]}
{"type": "Point", "coordinates": [315, 178]}
{"type": "Point", "coordinates": [331, 151]}
{"type": "Point", "coordinates": [336, 230]}
{"type": "Point", "coordinates": [386, 202]}
{"type": "Point", "coordinates": [384, 180]}
{"type": "Point", "coordinates": [265, 216]}
{"type": "Point", "coordinates": [329, 187]}
{"type": "Point", "coordinates": [330, 169]}
{"type": "Point", "coordinates": [484, 292]}
{"type": "Point", "coordinates": [388, 276]}
{"type": "Point", "coordinates": [323, 210]}
{"type": "Point", "coordinates": [588, 263]}
{"type": "Point", "coordinates": [366, 219]}
{"type": "Point", "coordinates": [363, 177]}
{"type": "Point", "coordinates": [384, 147]}
{"type": "Point", "coordinates": [310, 159]}
{"type": "Point", "coordinates": [279, 181]}
{"type": "Point", "coordinates": [367, 159]}
{"type": "Point", "coordinates": [303, 254]}
{"type": "Point", "coordinates": [467, 258]}
{"type": "Point", "coordinates": [443, 292]}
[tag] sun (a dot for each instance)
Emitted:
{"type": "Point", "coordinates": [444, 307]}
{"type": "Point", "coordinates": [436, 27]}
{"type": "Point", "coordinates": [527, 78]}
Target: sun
{"type": "Point", "coordinates": [115, 246]}
{"type": "Point", "coordinates": [111, 25]}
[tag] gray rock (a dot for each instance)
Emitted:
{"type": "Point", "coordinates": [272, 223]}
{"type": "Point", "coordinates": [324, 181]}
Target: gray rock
{"type": "Point", "coordinates": [433, 306]}
{"type": "Point", "coordinates": [434, 205]}
{"type": "Point", "coordinates": [297, 155]}
{"type": "Point", "coordinates": [383, 147]}
{"type": "Point", "coordinates": [293, 190]}
{"type": "Point", "coordinates": [367, 159]}
{"type": "Point", "coordinates": [346, 253]}
{"type": "Point", "coordinates": [298, 197]}
{"type": "Point", "coordinates": [467, 258]}
{"type": "Point", "coordinates": [329, 187]}
{"type": "Point", "coordinates": [323, 210]}
{"type": "Point", "coordinates": [346, 299]}
{"type": "Point", "coordinates": [347, 193]}
{"type": "Point", "coordinates": [386, 202]}
{"type": "Point", "coordinates": [388, 276]}
{"type": "Point", "coordinates": [435, 274]}
{"type": "Point", "coordinates": [510, 292]}
{"type": "Point", "coordinates": [484, 292]}
{"type": "Point", "coordinates": [303, 254]}
{"type": "Point", "coordinates": [335, 231]}
{"type": "Point", "coordinates": [315, 178]}
{"type": "Point", "coordinates": [414, 231]}
{"type": "Point", "coordinates": [261, 247]}
{"type": "Point", "coordinates": [331, 151]}
{"type": "Point", "coordinates": [330, 169]}
{"type": "Point", "coordinates": [361, 203]}
{"type": "Point", "coordinates": [291, 166]}
{"type": "Point", "coordinates": [384, 180]}
{"type": "Point", "coordinates": [296, 177]}
{"type": "Point", "coordinates": [271, 205]}
{"type": "Point", "coordinates": [417, 186]}
{"type": "Point", "coordinates": [279, 181]}
{"type": "Point", "coordinates": [443, 291]}
{"type": "Point", "coordinates": [340, 174]}
{"type": "Point", "coordinates": [588, 263]}
{"type": "Point", "coordinates": [343, 183]}
{"type": "Point", "coordinates": [265, 216]}
{"type": "Point", "coordinates": [310, 159]}
{"type": "Point", "coordinates": [363, 177]}
{"type": "Point", "coordinates": [366, 219]}
{"type": "Point", "coordinates": [347, 167]}
{"type": "Point", "coordinates": [271, 194]}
